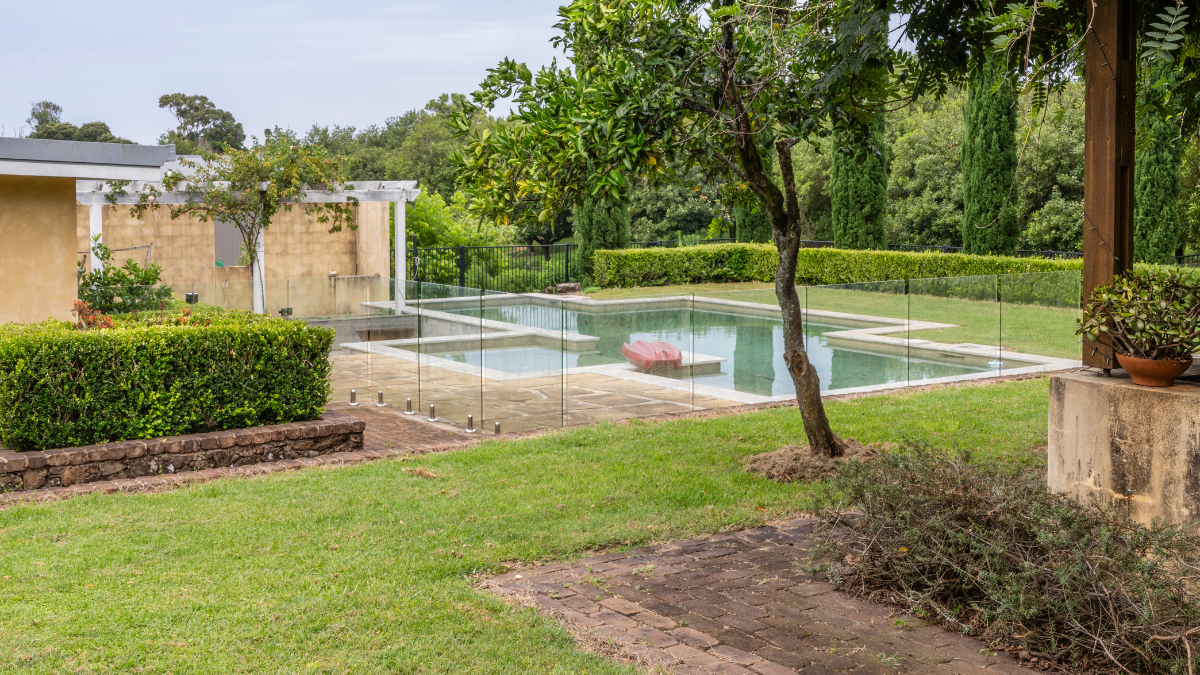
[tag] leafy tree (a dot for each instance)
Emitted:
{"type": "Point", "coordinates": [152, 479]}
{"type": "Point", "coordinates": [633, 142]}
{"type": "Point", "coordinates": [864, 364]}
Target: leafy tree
{"type": "Point", "coordinates": [684, 205]}
{"type": "Point", "coordinates": [249, 187]}
{"type": "Point", "coordinates": [430, 221]}
{"type": "Point", "coordinates": [1156, 231]}
{"type": "Point", "coordinates": [858, 190]}
{"type": "Point", "coordinates": [203, 127]}
{"type": "Point", "coordinates": [600, 224]}
{"type": "Point", "coordinates": [44, 112]}
{"type": "Point", "coordinates": [1057, 226]}
{"type": "Point", "coordinates": [1189, 197]}
{"type": "Point", "coordinates": [46, 117]}
{"type": "Point", "coordinates": [752, 224]}
{"type": "Point", "coordinates": [989, 164]}
{"type": "Point", "coordinates": [654, 84]}
{"type": "Point", "coordinates": [925, 202]}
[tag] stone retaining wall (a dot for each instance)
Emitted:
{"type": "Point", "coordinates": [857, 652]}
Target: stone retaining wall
{"type": "Point", "coordinates": [175, 454]}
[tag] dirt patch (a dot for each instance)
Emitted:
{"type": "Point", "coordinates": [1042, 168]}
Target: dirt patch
{"type": "Point", "coordinates": [797, 463]}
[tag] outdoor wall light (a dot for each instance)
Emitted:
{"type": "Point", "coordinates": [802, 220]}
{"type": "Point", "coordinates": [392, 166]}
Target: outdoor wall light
{"type": "Point", "coordinates": [432, 414]}
{"type": "Point", "coordinates": [191, 298]}
{"type": "Point", "coordinates": [332, 274]}
{"type": "Point", "coordinates": [286, 311]}
{"type": "Point", "coordinates": [353, 397]}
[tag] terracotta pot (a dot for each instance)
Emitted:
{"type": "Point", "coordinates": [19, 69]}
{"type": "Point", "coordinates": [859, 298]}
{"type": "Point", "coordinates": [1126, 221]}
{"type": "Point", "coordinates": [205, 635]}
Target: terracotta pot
{"type": "Point", "coordinates": [1151, 373]}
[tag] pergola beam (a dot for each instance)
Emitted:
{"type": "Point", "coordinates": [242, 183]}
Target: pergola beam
{"type": "Point", "coordinates": [1110, 99]}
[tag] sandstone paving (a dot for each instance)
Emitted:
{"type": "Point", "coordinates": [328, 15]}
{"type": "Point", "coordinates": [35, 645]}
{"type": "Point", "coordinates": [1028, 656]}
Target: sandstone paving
{"type": "Point", "coordinates": [748, 603]}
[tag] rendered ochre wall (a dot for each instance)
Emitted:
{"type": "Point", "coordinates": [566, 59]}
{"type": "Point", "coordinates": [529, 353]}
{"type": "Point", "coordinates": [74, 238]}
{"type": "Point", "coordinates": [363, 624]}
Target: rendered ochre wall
{"type": "Point", "coordinates": [296, 245]}
{"type": "Point", "coordinates": [37, 248]}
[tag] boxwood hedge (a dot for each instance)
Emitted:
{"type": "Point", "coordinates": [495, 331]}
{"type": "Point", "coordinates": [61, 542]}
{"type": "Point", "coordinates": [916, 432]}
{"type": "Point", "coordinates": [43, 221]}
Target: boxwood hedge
{"type": "Point", "coordinates": [62, 387]}
{"type": "Point", "coordinates": [816, 266]}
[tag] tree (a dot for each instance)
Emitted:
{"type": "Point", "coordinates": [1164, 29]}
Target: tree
{"type": "Point", "coordinates": [925, 202]}
{"type": "Point", "coordinates": [858, 186]}
{"type": "Point", "coordinates": [203, 127]}
{"type": "Point", "coordinates": [1157, 228]}
{"type": "Point", "coordinates": [657, 211]}
{"type": "Point", "coordinates": [44, 112]}
{"type": "Point", "coordinates": [46, 118]}
{"type": "Point", "coordinates": [600, 225]}
{"type": "Point", "coordinates": [752, 224]}
{"type": "Point", "coordinates": [989, 164]}
{"type": "Point", "coordinates": [248, 187]}
{"type": "Point", "coordinates": [654, 84]}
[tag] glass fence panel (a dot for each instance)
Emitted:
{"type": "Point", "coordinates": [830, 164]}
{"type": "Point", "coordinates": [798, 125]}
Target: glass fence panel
{"type": "Point", "coordinates": [738, 342]}
{"type": "Point", "coordinates": [855, 334]}
{"type": "Point", "coordinates": [523, 386]}
{"type": "Point", "coordinates": [954, 328]}
{"type": "Point", "coordinates": [226, 294]}
{"type": "Point", "coordinates": [627, 356]}
{"type": "Point", "coordinates": [1038, 312]}
{"type": "Point", "coordinates": [450, 352]}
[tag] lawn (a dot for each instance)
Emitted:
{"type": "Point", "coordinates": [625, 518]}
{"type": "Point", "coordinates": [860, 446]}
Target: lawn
{"type": "Point", "coordinates": [371, 568]}
{"type": "Point", "coordinates": [1031, 329]}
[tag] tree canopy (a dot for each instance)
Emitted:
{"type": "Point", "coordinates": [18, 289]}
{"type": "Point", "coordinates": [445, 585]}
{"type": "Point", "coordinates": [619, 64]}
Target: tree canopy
{"type": "Point", "coordinates": [46, 119]}
{"type": "Point", "coordinates": [203, 127]}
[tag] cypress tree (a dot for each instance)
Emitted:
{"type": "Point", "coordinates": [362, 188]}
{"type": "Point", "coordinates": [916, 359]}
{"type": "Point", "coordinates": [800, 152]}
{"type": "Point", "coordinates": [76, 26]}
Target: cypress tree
{"type": "Point", "coordinates": [753, 224]}
{"type": "Point", "coordinates": [600, 226]}
{"type": "Point", "coordinates": [989, 164]}
{"type": "Point", "coordinates": [1156, 224]}
{"type": "Point", "coordinates": [858, 190]}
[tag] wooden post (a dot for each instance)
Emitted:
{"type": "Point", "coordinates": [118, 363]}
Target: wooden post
{"type": "Point", "coordinates": [1110, 99]}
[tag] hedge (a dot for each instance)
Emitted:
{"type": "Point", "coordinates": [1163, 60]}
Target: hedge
{"type": "Point", "coordinates": [62, 387]}
{"type": "Point", "coordinates": [815, 266]}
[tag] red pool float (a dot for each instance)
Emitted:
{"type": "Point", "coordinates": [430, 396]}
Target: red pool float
{"type": "Point", "coordinates": [652, 355]}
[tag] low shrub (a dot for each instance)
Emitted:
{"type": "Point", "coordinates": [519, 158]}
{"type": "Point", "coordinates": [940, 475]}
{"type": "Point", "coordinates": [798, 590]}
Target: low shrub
{"type": "Point", "coordinates": [157, 374]}
{"type": "Point", "coordinates": [815, 266]}
{"type": "Point", "coordinates": [627, 268]}
{"type": "Point", "coordinates": [128, 288]}
{"type": "Point", "coordinates": [991, 552]}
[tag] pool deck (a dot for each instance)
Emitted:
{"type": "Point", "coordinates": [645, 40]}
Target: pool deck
{"type": "Point", "coordinates": [583, 395]}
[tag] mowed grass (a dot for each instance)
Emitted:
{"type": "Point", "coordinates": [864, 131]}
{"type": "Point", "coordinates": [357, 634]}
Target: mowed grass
{"type": "Point", "coordinates": [372, 568]}
{"type": "Point", "coordinates": [1029, 329]}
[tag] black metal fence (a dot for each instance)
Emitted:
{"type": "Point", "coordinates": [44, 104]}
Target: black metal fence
{"type": "Point", "coordinates": [809, 243]}
{"type": "Point", "coordinates": [512, 269]}
{"type": "Point", "coordinates": [673, 243]}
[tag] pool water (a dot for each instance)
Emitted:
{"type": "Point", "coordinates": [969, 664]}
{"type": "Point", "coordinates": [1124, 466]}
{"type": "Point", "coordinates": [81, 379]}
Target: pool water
{"type": "Point", "coordinates": [751, 345]}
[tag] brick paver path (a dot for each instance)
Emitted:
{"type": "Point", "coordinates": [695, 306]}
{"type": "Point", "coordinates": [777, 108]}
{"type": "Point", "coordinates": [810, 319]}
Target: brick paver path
{"type": "Point", "coordinates": [740, 604]}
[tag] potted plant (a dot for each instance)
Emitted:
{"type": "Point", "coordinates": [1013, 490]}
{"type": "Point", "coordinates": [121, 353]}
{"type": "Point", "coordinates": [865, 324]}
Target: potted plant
{"type": "Point", "coordinates": [1152, 315]}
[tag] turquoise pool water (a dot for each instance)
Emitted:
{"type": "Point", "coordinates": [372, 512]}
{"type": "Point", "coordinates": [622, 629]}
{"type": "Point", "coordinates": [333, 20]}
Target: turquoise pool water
{"type": "Point", "coordinates": [751, 345]}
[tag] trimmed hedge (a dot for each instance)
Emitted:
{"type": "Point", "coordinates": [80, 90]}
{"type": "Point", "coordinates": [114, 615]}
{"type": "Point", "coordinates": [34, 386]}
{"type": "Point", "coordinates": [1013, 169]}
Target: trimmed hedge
{"type": "Point", "coordinates": [628, 268]}
{"type": "Point", "coordinates": [61, 387]}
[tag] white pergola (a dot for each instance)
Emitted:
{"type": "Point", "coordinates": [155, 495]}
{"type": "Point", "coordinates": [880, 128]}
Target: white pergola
{"type": "Point", "coordinates": [95, 194]}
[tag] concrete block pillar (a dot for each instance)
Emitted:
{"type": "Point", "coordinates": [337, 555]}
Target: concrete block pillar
{"type": "Point", "coordinates": [1124, 444]}
{"type": "Point", "coordinates": [95, 228]}
{"type": "Point", "coordinates": [259, 285]}
{"type": "Point", "coordinates": [400, 273]}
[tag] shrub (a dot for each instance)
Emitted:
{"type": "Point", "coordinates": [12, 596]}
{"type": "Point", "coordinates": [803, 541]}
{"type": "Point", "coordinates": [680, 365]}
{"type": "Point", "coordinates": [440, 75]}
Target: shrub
{"type": "Point", "coordinates": [815, 266]}
{"type": "Point", "coordinates": [1150, 313]}
{"type": "Point", "coordinates": [129, 288]}
{"type": "Point", "coordinates": [151, 377]}
{"type": "Point", "coordinates": [992, 552]}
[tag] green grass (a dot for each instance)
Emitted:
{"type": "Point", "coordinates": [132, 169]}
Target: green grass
{"type": "Point", "coordinates": [371, 568]}
{"type": "Point", "coordinates": [1031, 329]}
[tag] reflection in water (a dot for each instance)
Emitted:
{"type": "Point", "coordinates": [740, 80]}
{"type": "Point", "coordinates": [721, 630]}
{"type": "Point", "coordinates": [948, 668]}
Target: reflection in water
{"type": "Point", "coordinates": [751, 345]}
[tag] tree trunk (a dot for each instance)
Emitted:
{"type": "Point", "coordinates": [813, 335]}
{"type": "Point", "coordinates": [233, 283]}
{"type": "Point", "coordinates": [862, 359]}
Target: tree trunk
{"type": "Point", "coordinates": [821, 438]}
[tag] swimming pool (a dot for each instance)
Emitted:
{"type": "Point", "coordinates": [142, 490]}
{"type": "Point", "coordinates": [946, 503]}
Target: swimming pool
{"type": "Point", "coordinates": [751, 346]}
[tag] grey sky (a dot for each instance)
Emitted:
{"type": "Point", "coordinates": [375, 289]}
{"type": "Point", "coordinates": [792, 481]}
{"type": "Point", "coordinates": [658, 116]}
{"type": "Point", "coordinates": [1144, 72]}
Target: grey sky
{"type": "Point", "coordinates": [269, 63]}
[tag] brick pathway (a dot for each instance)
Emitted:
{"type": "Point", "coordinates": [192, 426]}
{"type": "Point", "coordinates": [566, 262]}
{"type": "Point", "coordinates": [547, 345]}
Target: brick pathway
{"type": "Point", "coordinates": [740, 604]}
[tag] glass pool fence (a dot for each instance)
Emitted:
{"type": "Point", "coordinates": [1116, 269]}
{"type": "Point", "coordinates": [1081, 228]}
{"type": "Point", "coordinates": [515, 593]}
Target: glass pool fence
{"type": "Point", "coordinates": [531, 360]}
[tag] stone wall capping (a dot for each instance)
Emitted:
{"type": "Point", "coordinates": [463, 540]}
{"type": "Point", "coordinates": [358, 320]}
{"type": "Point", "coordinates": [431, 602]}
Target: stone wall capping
{"type": "Point", "coordinates": [177, 460]}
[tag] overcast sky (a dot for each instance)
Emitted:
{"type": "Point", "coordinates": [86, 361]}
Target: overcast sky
{"type": "Point", "coordinates": [269, 63]}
